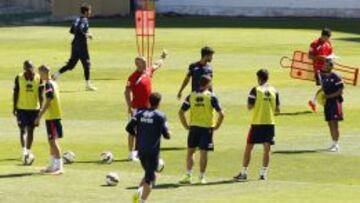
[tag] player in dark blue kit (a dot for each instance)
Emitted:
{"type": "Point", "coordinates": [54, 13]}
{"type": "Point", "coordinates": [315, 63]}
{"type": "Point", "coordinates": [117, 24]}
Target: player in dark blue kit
{"type": "Point", "coordinates": [333, 86]}
{"type": "Point", "coordinates": [148, 125]}
{"type": "Point", "coordinates": [79, 46]}
{"type": "Point", "coordinates": [197, 70]}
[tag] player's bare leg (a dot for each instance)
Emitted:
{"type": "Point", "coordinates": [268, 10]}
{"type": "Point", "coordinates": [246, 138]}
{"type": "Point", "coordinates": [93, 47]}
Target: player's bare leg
{"type": "Point", "coordinates": [23, 141]}
{"type": "Point", "coordinates": [56, 166]}
{"type": "Point", "coordinates": [335, 134]}
{"type": "Point", "coordinates": [187, 179]}
{"type": "Point", "coordinates": [266, 161]}
{"type": "Point", "coordinates": [203, 165]}
{"type": "Point", "coordinates": [29, 138]}
{"type": "Point", "coordinates": [246, 161]}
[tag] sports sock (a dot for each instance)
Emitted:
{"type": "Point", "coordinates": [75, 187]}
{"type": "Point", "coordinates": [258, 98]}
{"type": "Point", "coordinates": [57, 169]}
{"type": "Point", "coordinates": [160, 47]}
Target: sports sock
{"type": "Point", "coordinates": [244, 170]}
{"type": "Point", "coordinates": [142, 201]}
{"type": "Point", "coordinates": [263, 170]}
{"type": "Point", "coordinates": [140, 190]}
{"type": "Point", "coordinates": [188, 172]}
{"type": "Point", "coordinates": [87, 82]}
{"type": "Point", "coordinates": [202, 175]}
{"type": "Point", "coordinates": [25, 151]}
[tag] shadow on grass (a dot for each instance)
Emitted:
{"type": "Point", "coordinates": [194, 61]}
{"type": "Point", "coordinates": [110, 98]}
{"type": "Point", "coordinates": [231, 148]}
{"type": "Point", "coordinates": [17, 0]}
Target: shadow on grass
{"type": "Point", "coordinates": [106, 79]}
{"type": "Point", "coordinates": [17, 175]}
{"type": "Point", "coordinates": [305, 151]}
{"type": "Point", "coordinates": [176, 185]}
{"type": "Point", "coordinates": [299, 113]}
{"type": "Point", "coordinates": [8, 160]}
{"type": "Point", "coordinates": [350, 39]}
{"type": "Point", "coordinates": [173, 148]}
{"type": "Point", "coordinates": [99, 162]}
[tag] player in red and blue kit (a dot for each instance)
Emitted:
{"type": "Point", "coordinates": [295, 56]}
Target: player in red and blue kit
{"type": "Point", "coordinates": [197, 70]}
{"type": "Point", "coordinates": [149, 125]}
{"type": "Point", "coordinates": [333, 86]}
{"type": "Point", "coordinates": [320, 50]}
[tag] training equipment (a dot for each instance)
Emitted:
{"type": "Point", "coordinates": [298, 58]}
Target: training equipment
{"type": "Point", "coordinates": [28, 159]}
{"type": "Point", "coordinates": [68, 157]}
{"type": "Point", "coordinates": [106, 157]}
{"type": "Point", "coordinates": [301, 67]}
{"type": "Point", "coordinates": [112, 179]}
{"type": "Point", "coordinates": [145, 29]}
{"type": "Point", "coordinates": [161, 166]}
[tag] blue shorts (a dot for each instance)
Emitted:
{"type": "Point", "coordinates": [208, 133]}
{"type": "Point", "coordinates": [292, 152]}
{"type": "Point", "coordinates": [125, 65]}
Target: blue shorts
{"type": "Point", "coordinates": [149, 162]}
{"type": "Point", "coordinates": [54, 129]}
{"type": "Point", "coordinates": [26, 118]}
{"type": "Point", "coordinates": [333, 110]}
{"type": "Point", "coordinates": [201, 137]}
{"type": "Point", "coordinates": [259, 134]}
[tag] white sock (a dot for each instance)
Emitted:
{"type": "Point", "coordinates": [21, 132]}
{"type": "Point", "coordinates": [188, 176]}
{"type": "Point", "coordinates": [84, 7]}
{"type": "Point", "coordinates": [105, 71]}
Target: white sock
{"type": "Point", "coordinates": [244, 170]}
{"type": "Point", "coordinates": [25, 151]}
{"type": "Point", "coordinates": [263, 170]}
{"type": "Point", "coordinates": [188, 172]}
{"type": "Point", "coordinates": [140, 190]}
{"type": "Point", "coordinates": [134, 153]}
{"type": "Point", "coordinates": [142, 201]}
{"type": "Point", "coordinates": [202, 175]}
{"type": "Point", "coordinates": [87, 82]}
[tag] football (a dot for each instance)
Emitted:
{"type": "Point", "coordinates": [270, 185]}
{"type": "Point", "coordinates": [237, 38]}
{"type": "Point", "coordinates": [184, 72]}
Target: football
{"type": "Point", "coordinates": [112, 179]}
{"type": "Point", "coordinates": [106, 157]}
{"type": "Point", "coordinates": [28, 159]}
{"type": "Point", "coordinates": [161, 166]}
{"type": "Point", "coordinates": [68, 157]}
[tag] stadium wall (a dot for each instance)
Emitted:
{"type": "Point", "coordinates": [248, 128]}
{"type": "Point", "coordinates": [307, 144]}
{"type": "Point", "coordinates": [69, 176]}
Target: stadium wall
{"type": "Point", "coordinates": [66, 8]}
{"type": "Point", "coordinates": [28, 5]}
{"type": "Point", "coordinates": [263, 8]}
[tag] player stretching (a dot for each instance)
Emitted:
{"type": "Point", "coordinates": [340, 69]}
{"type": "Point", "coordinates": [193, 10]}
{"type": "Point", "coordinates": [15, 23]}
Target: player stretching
{"type": "Point", "coordinates": [197, 70]}
{"type": "Point", "coordinates": [201, 104]}
{"type": "Point", "coordinates": [79, 46]}
{"type": "Point", "coordinates": [27, 100]}
{"type": "Point", "coordinates": [148, 124]}
{"type": "Point", "coordinates": [320, 49]}
{"type": "Point", "coordinates": [264, 100]}
{"type": "Point", "coordinates": [137, 93]}
{"type": "Point", "coordinates": [52, 110]}
{"type": "Point", "coordinates": [333, 86]}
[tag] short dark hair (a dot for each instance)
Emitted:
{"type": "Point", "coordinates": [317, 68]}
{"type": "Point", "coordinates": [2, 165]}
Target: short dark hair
{"type": "Point", "coordinates": [155, 99]}
{"type": "Point", "coordinates": [330, 62]}
{"type": "Point", "coordinates": [204, 80]}
{"type": "Point", "coordinates": [206, 51]}
{"type": "Point", "coordinates": [28, 64]}
{"type": "Point", "coordinates": [263, 75]}
{"type": "Point", "coordinates": [326, 32]}
{"type": "Point", "coordinates": [85, 8]}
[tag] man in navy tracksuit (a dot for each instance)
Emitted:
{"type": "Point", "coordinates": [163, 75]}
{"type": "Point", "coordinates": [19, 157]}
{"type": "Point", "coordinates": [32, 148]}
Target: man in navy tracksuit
{"type": "Point", "coordinates": [148, 125]}
{"type": "Point", "coordinates": [79, 46]}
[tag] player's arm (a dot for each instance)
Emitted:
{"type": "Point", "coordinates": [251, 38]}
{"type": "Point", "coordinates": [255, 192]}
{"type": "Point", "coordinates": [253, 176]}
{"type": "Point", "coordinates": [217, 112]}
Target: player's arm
{"type": "Point", "coordinates": [15, 94]}
{"type": "Point", "coordinates": [165, 129]}
{"type": "Point", "coordinates": [49, 93]}
{"type": "Point", "coordinates": [216, 105]}
{"type": "Point", "coordinates": [131, 126]}
{"type": "Point", "coordinates": [339, 83]}
{"type": "Point", "coordinates": [127, 94]}
{"type": "Point", "coordinates": [183, 85]}
{"type": "Point", "coordinates": [185, 106]}
{"type": "Point", "coordinates": [277, 108]}
{"type": "Point", "coordinates": [251, 99]}
{"type": "Point", "coordinates": [84, 29]}
{"type": "Point", "coordinates": [160, 62]}
{"type": "Point", "coordinates": [41, 91]}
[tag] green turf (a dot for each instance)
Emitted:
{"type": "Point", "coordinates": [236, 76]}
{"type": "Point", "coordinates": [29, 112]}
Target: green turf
{"type": "Point", "coordinates": [94, 122]}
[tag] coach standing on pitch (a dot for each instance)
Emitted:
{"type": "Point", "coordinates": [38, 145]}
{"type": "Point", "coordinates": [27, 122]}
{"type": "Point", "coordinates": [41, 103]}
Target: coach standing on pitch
{"type": "Point", "coordinates": [27, 101]}
{"type": "Point", "coordinates": [138, 91]}
{"type": "Point", "coordinates": [264, 100]}
{"type": "Point", "coordinates": [197, 70]}
{"type": "Point", "coordinates": [79, 46]}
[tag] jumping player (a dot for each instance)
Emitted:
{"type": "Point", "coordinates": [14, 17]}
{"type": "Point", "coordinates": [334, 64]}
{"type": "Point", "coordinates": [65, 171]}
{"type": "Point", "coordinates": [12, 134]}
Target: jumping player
{"type": "Point", "coordinates": [320, 50]}
{"type": "Point", "coordinates": [27, 99]}
{"type": "Point", "coordinates": [52, 110]}
{"type": "Point", "coordinates": [333, 86]}
{"type": "Point", "coordinates": [79, 47]}
{"type": "Point", "coordinates": [138, 91]}
{"type": "Point", "coordinates": [265, 102]}
{"type": "Point", "coordinates": [197, 70]}
{"type": "Point", "coordinates": [149, 125]}
{"type": "Point", "coordinates": [202, 104]}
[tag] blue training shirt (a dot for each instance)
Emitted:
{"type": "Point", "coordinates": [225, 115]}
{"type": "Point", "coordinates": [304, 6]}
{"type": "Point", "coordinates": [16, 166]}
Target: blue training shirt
{"type": "Point", "coordinates": [196, 71]}
{"type": "Point", "coordinates": [79, 29]}
{"type": "Point", "coordinates": [332, 83]}
{"type": "Point", "coordinates": [148, 125]}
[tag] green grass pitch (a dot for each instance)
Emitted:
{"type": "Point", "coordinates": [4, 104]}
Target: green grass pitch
{"type": "Point", "coordinates": [94, 121]}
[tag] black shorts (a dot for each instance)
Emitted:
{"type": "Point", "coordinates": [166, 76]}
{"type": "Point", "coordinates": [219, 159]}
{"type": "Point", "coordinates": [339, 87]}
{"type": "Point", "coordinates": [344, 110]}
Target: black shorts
{"type": "Point", "coordinates": [333, 110]}
{"type": "Point", "coordinates": [26, 118]}
{"type": "Point", "coordinates": [149, 162]}
{"type": "Point", "coordinates": [261, 134]}
{"type": "Point", "coordinates": [54, 129]}
{"type": "Point", "coordinates": [201, 137]}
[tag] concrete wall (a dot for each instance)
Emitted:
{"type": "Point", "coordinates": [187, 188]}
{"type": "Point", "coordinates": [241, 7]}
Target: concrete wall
{"type": "Point", "coordinates": [270, 8]}
{"type": "Point", "coordinates": [33, 5]}
{"type": "Point", "coordinates": [65, 8]}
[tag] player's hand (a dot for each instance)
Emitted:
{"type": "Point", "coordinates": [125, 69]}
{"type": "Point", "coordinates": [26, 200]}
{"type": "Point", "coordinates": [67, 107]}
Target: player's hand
{"type": "Point", "coordinates": [164, 54]}
{"type": "Point", "coordinates": [14, 112]}
{"type": "Point", "coordinates": [37, 121]}
{"type": "Point", "coordinates": [179, 95]}
{"type": "Point", "coordinates": [89, 35]}
{"type": "Point", "coordinates": [130, 111]}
